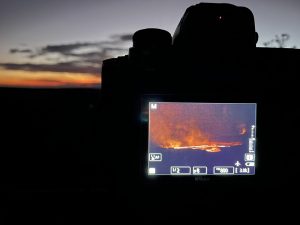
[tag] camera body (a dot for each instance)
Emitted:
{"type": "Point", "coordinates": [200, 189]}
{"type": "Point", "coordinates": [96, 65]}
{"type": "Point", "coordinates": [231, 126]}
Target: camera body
{"type": "Point", "coordinates": [212, 59]}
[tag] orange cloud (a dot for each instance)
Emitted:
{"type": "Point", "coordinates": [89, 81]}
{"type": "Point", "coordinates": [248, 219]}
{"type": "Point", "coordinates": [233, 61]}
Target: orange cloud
{"type": "Point", "coordinates": [44, 79]}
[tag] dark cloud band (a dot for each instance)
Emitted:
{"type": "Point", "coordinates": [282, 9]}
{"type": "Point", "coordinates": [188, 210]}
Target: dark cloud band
{"type": "Point", "coordinates": [15, 50]}
{"type": "Point", "coordinates": [80, 57]}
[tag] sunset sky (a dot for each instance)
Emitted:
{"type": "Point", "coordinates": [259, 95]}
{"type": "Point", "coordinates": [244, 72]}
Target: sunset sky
{"type": "Point", "coordinates": [61, 43]}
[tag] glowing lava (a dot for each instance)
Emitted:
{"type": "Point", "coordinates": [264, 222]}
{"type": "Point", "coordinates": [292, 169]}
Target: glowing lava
{"type": "Point", "coordinates": [214, 147]}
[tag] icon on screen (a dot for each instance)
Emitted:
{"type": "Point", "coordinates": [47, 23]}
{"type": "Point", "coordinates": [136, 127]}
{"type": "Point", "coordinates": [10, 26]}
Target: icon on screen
{"type": "Point", "coordinates": [155, 157]}
{"type": "Point", "coordinates": [237, 163]}
{"type": "Point", "coordinates": [151, 170]}
{"type": "Point", "coordinates": [249, 157]}
{"type": "Point", "coordinates": [153, 106]}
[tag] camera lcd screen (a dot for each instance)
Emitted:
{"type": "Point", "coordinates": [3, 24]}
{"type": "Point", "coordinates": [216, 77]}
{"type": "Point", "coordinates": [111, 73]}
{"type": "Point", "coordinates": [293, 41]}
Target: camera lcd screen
{"type": "Point", "coordinates": [201, 138]}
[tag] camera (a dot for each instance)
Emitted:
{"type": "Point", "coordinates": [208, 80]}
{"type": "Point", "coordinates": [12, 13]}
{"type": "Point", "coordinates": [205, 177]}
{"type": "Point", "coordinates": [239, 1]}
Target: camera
{"type": "Point", "coordinates": [193, 114]}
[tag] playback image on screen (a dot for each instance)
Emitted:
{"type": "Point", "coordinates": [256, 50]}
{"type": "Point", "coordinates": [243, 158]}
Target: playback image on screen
{"type": "Point", "coordinates": [201, 138]}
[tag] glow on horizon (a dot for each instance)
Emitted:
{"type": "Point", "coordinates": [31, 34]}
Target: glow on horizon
{"type": "Point", "coordinates": [35, 24]}
{"type": "Point", "coordinates": [41, 79]}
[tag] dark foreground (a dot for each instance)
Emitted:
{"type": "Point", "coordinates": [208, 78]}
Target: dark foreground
{"type": "Point", "coordinates": [51, 164]}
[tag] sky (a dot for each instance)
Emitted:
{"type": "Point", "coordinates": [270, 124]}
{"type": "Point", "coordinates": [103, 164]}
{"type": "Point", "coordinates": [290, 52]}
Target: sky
{"type": "Point", "coordinates": [61, 43]}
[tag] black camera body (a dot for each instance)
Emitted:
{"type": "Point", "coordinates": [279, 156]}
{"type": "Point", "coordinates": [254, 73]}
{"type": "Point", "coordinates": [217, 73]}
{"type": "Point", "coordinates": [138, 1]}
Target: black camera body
{"type": "Point", "coordinates": [211, 58]}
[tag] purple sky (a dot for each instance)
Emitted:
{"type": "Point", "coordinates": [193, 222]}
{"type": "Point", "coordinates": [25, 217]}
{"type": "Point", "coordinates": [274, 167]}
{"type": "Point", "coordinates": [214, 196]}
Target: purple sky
{"type": "Point", "coordinates": [31, 25]}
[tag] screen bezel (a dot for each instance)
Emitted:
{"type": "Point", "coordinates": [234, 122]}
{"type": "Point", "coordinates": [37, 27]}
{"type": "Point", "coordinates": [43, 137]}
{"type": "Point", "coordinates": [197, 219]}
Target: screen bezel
{"type": "Point", "coordinates": [194, 179]}
{"type": "Point", "coordinates": [190, 166]}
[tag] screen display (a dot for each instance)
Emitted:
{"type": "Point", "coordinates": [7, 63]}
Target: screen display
{"type": "Point", "coordinates": [201, 138]}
